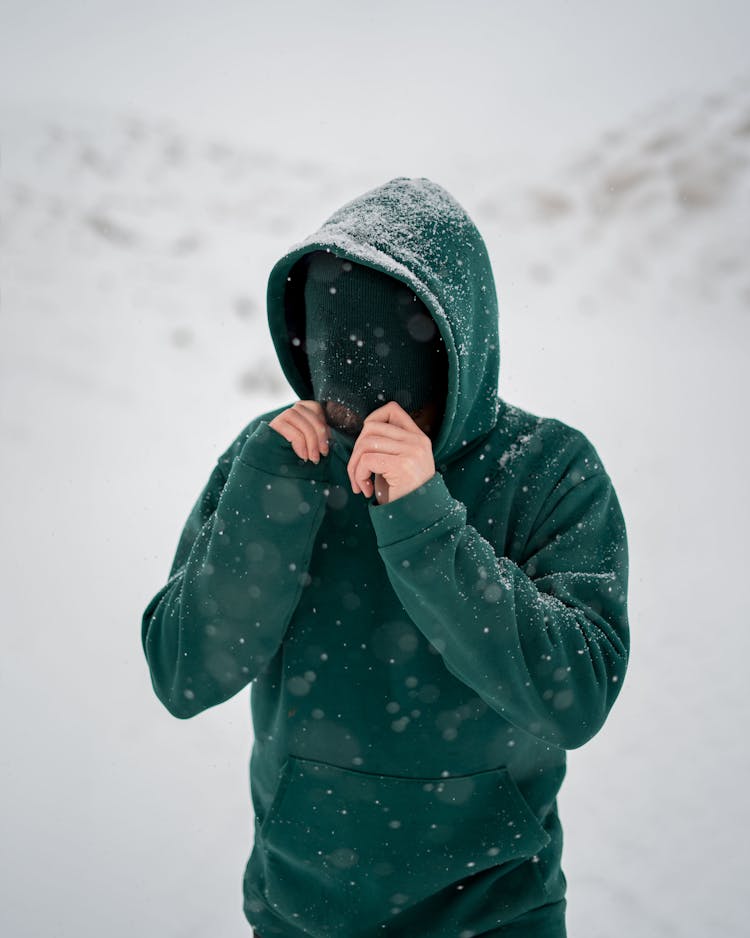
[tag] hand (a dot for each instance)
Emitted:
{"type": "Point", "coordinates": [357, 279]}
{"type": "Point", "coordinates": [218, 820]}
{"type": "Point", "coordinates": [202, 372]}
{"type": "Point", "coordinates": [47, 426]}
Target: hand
{"type": "Point", "coordinates": [304, 425]}
{"type": "Point", "coordinates": [393, 447]}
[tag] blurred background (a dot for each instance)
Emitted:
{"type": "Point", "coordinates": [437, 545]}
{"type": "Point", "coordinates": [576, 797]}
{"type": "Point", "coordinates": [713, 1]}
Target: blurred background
{"type": "Point", "coordinates": [157, 158]}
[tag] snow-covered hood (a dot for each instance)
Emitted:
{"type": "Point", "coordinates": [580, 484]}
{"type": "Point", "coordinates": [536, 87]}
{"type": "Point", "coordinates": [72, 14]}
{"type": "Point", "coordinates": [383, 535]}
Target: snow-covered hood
{"type": "Point", "coordinates": [415, 231]}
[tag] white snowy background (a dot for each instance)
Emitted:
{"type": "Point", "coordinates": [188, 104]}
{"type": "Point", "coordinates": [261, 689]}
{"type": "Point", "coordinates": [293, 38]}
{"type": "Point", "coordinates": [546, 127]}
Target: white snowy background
{"type": "Point", "coordinates": [157, 158]}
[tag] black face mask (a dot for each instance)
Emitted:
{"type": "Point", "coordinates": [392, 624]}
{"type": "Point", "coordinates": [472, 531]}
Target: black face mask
{"type": "Point", "coordinates": [369, 339]}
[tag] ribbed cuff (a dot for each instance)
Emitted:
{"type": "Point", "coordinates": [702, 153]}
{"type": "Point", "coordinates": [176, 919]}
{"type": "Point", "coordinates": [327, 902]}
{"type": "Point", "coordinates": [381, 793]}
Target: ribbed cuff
{"type": "Point", "coordinates": [268, 450]}
{"type": "Point", "coordinates": [414, 512]}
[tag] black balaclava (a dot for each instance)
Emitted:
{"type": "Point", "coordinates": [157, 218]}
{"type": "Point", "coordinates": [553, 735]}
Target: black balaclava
{"type": "Point", "coordinates": [369, 339]}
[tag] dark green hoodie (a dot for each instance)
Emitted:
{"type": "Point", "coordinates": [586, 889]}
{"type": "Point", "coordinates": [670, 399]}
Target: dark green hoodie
{"type": "Point", "coordinates": [418, 668]}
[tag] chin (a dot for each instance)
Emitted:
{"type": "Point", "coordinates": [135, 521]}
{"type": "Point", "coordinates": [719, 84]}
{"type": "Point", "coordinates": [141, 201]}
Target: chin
{"type": "Point", "coordinates": [343, 419]}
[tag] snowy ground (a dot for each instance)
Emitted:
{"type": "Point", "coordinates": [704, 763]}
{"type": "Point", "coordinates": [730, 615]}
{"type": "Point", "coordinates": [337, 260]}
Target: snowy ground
{"type": "Point", "coordinates": [134, 347]}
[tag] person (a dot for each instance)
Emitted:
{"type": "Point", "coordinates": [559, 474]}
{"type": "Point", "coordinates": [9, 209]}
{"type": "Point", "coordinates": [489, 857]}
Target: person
{"type": "Point", "coordinates": [424, 584]}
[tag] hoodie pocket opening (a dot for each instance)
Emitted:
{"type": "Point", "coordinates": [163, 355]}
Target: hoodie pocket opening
{"type": "Point", "coordinates": [354, 848]}
{"type": "Point", "coordinates": [274, 809]}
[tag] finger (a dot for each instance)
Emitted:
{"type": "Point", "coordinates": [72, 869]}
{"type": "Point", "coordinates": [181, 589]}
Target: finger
{"type": "Point", "coordinates": [368, 464]}
{"type": "Point", "coordinates": [382, 443]}
{"type": "Point", "coordinates": [352, 464]}
{"type": "Point", "coordinates": [394, 413]}
{"type": "Point", "coordinates": [304, 434]}
{"type": "Point", "coordinates": [312, 404]}
{"type": "Point", "coordinates": [391, 430]}
{"type": "Point", "coordinates": [294, 435]}
{"type": "Point", "coordinates": [314, 409]}
{"type": "Point", "coordinates": [374, 442]}
{"type": "Point", "coordinates": [384, 438]}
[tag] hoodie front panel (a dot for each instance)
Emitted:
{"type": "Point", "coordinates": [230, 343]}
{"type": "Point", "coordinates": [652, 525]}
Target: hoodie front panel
{"type": "Point", "coordinates": [359, 726]}
{"type": "Point", "coordinates": [354, 673]}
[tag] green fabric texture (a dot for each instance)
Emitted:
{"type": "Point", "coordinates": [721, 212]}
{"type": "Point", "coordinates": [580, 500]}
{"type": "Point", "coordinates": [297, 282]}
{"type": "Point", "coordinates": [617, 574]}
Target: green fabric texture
{"type": "Point", "coordinates": [420, 668]}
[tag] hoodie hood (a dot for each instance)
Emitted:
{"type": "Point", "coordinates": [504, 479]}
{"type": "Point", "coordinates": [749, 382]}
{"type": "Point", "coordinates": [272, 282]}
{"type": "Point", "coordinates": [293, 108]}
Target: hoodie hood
{"type": "Point", "coordinates": [413, 230]}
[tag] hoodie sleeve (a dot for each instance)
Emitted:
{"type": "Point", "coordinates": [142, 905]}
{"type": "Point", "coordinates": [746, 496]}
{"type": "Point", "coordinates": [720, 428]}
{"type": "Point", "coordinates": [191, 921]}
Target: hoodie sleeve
{"type": "Point", "coordinates": [545, 644]}
{"type": "Point", "coordinates": [236, 576]}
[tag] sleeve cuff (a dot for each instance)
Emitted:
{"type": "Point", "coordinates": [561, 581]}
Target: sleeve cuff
{"type": "Point", "coordinates": [268, 450]}
{"type": "Point", "coordinates": [414, 512]}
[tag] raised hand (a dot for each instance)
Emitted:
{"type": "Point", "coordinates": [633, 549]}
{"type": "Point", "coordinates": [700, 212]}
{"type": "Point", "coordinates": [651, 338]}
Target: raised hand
{"type": "Point", "coordinates": [304, 426]}
{"type": "Point", "coordinates": [393, 448]}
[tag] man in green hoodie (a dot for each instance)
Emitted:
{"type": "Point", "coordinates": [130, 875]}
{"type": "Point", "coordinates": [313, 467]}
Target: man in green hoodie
{"type": "Point", "coordinates": [425, 586]}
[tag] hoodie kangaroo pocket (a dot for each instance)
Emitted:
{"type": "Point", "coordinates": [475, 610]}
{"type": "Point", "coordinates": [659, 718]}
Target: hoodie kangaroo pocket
{"type": "Point", "coordinates": [346, 850]}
